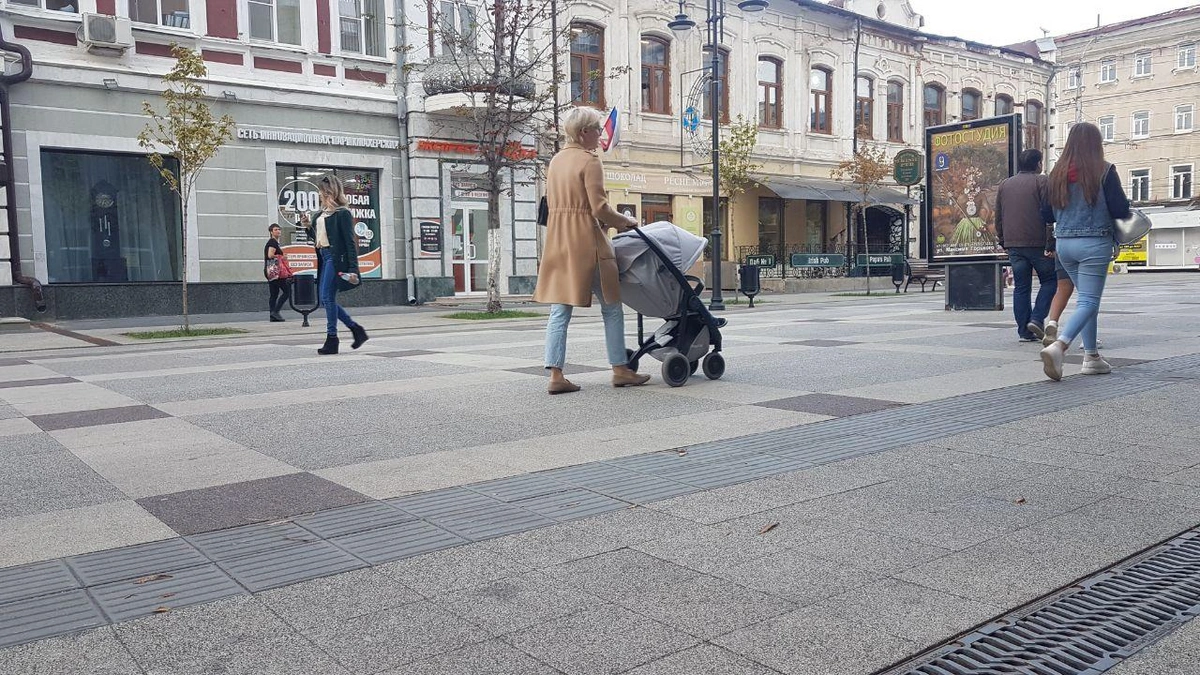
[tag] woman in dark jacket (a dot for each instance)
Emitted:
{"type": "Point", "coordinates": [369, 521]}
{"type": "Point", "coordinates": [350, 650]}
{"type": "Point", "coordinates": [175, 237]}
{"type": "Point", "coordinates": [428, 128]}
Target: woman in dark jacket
{"type": "Point", "coordinates": [279, 287]}
{"type": "Point", "coordinates": [1086, 196]}
{"type": "Point", "coordinates": [332, 233]}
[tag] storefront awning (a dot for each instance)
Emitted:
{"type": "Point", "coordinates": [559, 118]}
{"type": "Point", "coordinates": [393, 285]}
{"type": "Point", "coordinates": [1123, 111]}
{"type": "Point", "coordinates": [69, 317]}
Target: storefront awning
{"type": "Point", "coordinates": [828, 190]}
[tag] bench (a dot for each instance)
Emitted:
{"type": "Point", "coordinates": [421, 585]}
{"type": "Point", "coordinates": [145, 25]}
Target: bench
{"type": "Point", "coordinates": [923, 273]}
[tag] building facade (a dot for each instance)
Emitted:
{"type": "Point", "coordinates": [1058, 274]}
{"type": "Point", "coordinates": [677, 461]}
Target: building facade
{"type": "Point", "coordinates": [1138, 82]}
{"type": "Point", "coordinates": [809, 74]}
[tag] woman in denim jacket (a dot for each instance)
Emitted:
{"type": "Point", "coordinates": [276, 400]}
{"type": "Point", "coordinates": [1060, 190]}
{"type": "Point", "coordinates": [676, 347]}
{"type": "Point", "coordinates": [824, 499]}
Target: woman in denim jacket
{"type": "Point", "coordinates": [1086, 196]}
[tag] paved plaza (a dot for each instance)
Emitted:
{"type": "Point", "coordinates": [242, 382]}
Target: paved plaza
{"type": "Point", "coordinates": [870, 478]}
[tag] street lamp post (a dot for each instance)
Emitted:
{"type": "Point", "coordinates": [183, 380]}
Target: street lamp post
{"type": "Point", "coordinates": [714, 11]}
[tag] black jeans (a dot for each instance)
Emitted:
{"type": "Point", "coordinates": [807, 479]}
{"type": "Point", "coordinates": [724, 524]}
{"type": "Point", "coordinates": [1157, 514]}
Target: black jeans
{"type": "Point", "coordinates": [1026, 261]}
{"type": "Point", "coordinates": [280, 291]}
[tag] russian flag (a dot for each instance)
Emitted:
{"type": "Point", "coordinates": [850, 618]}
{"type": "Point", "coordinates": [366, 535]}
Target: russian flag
{"type": "Point", "coordinates": [612, 131]}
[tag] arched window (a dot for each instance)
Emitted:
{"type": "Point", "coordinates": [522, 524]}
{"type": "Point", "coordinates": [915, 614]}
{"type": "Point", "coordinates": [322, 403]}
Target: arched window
{"type": "Point", "coordinates": [820, 84]}
{"type": "Point", "coordinates": [864, 119]}
{"type": "Point", "coordinates": [1033, 125]}
{"type": "Point", "coordinates": [935, 105]}
{"type": "Point", "coordinates": [656, 75]}
{"type": "Point", "coordinates": [895, 112]}
{"type": "Point", "coordinates": [1004, 104]}
{"type": "Point", "coordinates": [770, 92]}
{"type": "Point", "coordinates": [972, 104]}
{"type": "Point", "coordinates": [587, 65]}
{"type": "Point", "coordinates": [723, 85]}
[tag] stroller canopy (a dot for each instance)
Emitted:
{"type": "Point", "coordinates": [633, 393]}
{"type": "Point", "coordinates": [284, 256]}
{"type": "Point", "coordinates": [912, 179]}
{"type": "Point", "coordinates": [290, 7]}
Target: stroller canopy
{"type": "Point", "coordinates": [682, 248]}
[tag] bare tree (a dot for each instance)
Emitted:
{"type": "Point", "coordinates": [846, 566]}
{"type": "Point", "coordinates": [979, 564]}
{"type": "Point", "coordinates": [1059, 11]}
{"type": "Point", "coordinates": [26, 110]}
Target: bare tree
{"type": "Point", "coordinates": [865, 170]}
{"type": "Point", "coordinates": [502, 58]}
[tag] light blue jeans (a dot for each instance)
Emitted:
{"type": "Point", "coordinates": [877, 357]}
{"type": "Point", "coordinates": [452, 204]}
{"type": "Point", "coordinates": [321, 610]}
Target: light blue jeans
{"type": "Point", "coordinates": [614, 334]}
{"type": "Point", "coordinates": [1086, 261]}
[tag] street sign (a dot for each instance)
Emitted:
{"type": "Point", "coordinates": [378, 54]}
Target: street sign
{"type": "Point", "coordinates": [690, 119]}
{"type": "Point", "coordinates": [761, 260]}
{"type": "Point", "coordinates": [880, 259]}
{"type": "Point", "coordinates": [818, 260]}
{"type": "Point", "coordinates": [906, 167]}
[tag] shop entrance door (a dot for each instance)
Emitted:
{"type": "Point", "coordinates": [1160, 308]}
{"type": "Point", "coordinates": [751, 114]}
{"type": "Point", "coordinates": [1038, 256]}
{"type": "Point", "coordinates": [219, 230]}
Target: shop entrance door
{"type": "Point", "coordinates": [656, 208]}
{"type": "Point", "coordinates": [470, 242]}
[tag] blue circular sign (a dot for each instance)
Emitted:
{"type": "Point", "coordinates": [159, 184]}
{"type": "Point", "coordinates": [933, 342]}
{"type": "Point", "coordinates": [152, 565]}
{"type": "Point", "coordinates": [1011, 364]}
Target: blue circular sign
{"type": "Point", "coordinates": [691, 119]}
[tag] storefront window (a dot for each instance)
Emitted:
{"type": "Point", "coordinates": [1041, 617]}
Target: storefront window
{"type": "Point", "coordinates": [298, 194]}
{"type": "Point", "coordinates": [816, 217]}
{"type": "Point", "coordinates": [109, 218]}
{"type": "Point", "coordinates": [770, 225]}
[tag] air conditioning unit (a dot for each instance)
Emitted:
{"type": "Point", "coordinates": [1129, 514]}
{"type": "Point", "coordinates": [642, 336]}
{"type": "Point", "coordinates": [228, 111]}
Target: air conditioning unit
{"type": "Point", "coordinates": [104, 34]}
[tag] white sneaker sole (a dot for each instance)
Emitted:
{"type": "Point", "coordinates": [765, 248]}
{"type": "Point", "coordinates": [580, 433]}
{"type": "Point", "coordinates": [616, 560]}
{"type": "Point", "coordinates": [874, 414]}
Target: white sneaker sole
{"type": "Point", "coordinates": [1101, 370]}
{"type": "Point", "coordinates": [1052, 368]}
{"type": "Point", "coordinates": [1051, 334]}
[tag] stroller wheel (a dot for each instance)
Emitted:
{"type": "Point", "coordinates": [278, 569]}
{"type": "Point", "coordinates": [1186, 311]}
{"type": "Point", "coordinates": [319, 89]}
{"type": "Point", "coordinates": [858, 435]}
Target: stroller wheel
{"type": "Point", "coordinates": [695, 365]}
{"type": "Point", "coordinates": [675, 370]}
{"type": "Point", "coordinates": [714, 366]}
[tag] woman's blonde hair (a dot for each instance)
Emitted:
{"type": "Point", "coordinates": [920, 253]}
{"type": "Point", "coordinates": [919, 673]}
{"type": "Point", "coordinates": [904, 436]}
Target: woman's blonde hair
{"type": "Point", "coordinates": [332, 185]}
{"type": "Point", "coordinates": [579, 120]}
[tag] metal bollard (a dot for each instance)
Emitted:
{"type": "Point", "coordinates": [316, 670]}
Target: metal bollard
{"type": "Point", "coordinates": [304, 295]}
{"type": "Point", "coordinates": [748, 282]}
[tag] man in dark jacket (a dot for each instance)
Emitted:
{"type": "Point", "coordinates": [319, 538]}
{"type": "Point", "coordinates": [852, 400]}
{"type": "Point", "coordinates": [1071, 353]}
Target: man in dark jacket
{"type": "Point", "coordinates": [1027, 237]}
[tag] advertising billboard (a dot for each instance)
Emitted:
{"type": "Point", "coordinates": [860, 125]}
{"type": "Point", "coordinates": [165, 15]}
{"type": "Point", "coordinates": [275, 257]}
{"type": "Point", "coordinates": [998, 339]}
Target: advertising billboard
{"type": "Point", "coordinates": [965, 164]}
{"type": "Point", "coordinates": [298, 194]}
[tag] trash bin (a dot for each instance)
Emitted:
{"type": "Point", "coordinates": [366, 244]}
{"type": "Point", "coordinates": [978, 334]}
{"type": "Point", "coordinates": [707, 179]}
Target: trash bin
{"type": "Point", "coordinates": [748, 284]}
{"type": "Point", "coordinates": [304, 295]}
{"type": "Point", "coordinates": [898, 275]}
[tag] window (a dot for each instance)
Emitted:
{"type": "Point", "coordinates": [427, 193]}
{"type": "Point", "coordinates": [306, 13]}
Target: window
{"type": "Point", "coordinates": [1004, 104]}
{"type": "Point", "coordinates": [971, 104]}
{"type": "Point", "coordinates": [1108, 70]}
{"type": "Point", "coordinates": [1181, 182]}
{"type": "Point", "coordinates": [1141, 124]}
{"type": "Point", "coordinates": [770, 85]}
{"type": "Point", "coordinates": [109, 218]}
{"type": "Point", "coordinates": [722, 86]}
{"type": "Point", "coordinates": [656, 75]}
{"type": "Point", "coordinates": [275, 21]}
{"type": "Point", "coordinates": [1183, 118]}
{"type": "Point", "coordinates": [935, 105]}
{"type": "Point", "coordinates": [1187, 55]}
{"type": "Point", "coordinates": [770, 226]}
{"type": "Point", "coordinates": [816, 225]}
{"type": "Point", "coordinates": [820, 85]}
{"type": "Point", "coordinates": [1033, 125]}
{"type": "Point", "coordinates": [587, 65]}
{"type": "Point", "coordinates": [656, 208]}
{"type": "Point", "coordinates": [864, 119]}
{"type": "Point", "coordinates": [173, 13]}
{"type": "Point", "coordinates": [297, 191]}
{"type": "Point", "coordinates": [1074, 80]}
{"type": "Point", "coordinates": [1107, 126]}
{"type": "Point", "coordinates": [57, 5]}
{"type": "Point", "coordinates": [895, 112]}
{"type": "Point", "coordinates": [1139, 185]}
{"type": "Point", "coordinates": [362, 24]}
{"type": "Point", "coordinates": [1141, 64]}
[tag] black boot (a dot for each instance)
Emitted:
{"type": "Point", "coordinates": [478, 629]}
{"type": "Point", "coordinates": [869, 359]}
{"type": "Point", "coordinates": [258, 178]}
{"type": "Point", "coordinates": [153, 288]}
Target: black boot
{"type": "Point", "coordinates": [360, 336]}
{"type": "Point", "coordinates": [275, 317]}
{"type": "Point", "coordinates": [330, 346]}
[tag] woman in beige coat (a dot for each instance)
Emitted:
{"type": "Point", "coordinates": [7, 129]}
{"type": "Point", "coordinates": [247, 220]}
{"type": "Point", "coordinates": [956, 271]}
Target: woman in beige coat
{"type": "Point", "coordinates": [578, 259]}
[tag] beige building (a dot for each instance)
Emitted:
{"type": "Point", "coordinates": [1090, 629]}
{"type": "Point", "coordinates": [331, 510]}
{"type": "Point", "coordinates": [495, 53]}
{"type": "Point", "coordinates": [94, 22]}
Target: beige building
{"type": "Point", "coordinates": [793, 70]}
{"type": "Point", "coordinates": [1138, 82]}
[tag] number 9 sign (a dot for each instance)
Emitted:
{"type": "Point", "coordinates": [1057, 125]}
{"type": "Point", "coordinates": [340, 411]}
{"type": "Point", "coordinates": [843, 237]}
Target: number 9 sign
{"type": "Point", "coordinates": [297, 197]}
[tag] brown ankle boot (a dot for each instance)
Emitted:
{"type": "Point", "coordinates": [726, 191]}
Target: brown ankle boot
{"type": "Point", "coordinates": [562, 387]}
{"type": "Point", "coordinates": [624, 377]}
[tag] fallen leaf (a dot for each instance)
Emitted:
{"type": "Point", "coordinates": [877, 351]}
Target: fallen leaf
{"type": "Point", "coordinates": [152, 577]}
{"type": "Point", "coordinates": [161, 609]}
{"type": "Point", "coordinates": [167, 595]}
{"type": "Point", "coordinates": [1020, 500]}
{"type": "Point", "coordinates": [768, 527]}
{"type": "Point", "coordinates": [682, 453]}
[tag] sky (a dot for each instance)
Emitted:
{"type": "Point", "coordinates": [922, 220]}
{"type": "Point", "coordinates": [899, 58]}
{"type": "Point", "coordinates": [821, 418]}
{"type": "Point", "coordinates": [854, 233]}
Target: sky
{"type": "Point", "coordinates": [1004, 22]}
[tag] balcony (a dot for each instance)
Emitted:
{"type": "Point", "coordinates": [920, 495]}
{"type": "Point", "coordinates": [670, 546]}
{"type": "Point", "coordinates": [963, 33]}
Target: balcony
{"type": "Point", "coordinates": [464, 81]}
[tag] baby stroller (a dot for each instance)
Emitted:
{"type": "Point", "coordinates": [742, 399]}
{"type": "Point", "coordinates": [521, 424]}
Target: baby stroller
{"type": "Point", "coordinates": [651, 260]}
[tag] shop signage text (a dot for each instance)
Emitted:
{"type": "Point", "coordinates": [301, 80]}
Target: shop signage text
{"type": "Point", "coordinates": [761, 260]}
{"type": "Point", "coordinates": [880, 259]}
{"type": "Point", "coordinates": [512, 151]}
{"type": "Point", "coordinates": [259, 134]}
{"type": "Point", "coordinates": [818, 260]}
{"type": "Point", "coordinates": [906, 167]}
{"type": "Point", "coordinates": [431, 238]}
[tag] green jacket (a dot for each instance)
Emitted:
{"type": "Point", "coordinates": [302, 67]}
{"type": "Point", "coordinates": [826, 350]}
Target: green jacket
{"type": "Point", "coordinates": [339, 226]}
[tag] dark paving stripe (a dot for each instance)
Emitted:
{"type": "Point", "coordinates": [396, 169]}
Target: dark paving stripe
{"type": "Point", "coordinates": [254, 501]}
{"type": "Point", "coordinates": [95, 418]}
{"type": "Point", "coordinates": [13, 384]}
{"type": "Point", "coordinates": [991, 325]}
{"type": "Point", "coordinates": [830, 404]}
{"type": "Point", "coordinates": [402, 353]}
{"type": "Point", "coordinates": [99, 342]}
{"type": "Point", "coordinates": [568, 369]}
{"type": "Point", "coordinates": [13, 362]}
{"type": "Point", "coordinates": [822, 343]}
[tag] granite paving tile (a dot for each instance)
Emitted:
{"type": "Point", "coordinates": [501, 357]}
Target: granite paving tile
{"type": "Point", "coordinates": [330, 600]}
{"type": "Point", "coordinates": [13, 384]}
{"type": "Point", "coordinates": [91, 652]}
{"type": "Point", "coordinates": [92, 418]}
{"type": "Point", "coordinates": [452, 569]}
{"type": "Point", "coordinates": [830, 404]}
{"type": "Point", "coordinates": [798, 577]}
{"type": "Point", "coordinates": [553, 545]}
{"type": "Point", "coordinates": [37, 475]}
{"type": "Point", "coordinates": [494, 657]}
{"type": "Point", "coordinates": [873, 552]}
{"type": "Point", "coordinates": [601, 641]}
{"type": "Point", "coordinates": [514, 603]}
{"type": "Point", "coordinates": [55, 534]}
{"type": "Point", "coordinates": [890, 605]}
{"type": "Point", "coordinates": [706, 659]}
{"type": "Point", "coordinates": [266, 499]}
{"type": "Point", "coordinates": [714, 506]}
{"type": "Point", "coordinates": [709, 549]}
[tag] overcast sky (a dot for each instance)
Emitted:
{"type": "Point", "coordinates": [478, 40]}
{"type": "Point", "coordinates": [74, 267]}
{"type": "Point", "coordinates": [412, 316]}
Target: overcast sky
{"type": "Point", "coordinates": [1009, 21]}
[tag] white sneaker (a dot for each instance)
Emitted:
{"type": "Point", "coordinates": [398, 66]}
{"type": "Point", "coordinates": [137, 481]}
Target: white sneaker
{"type": "Point", "coordinates": [1051, 334]}
{"type": "Point", "coordinates": [1099, 345]}
{"type": "Point", "coordinates": [1052, 360]}
{"type": "Point", "coordinates": [1095, 366]}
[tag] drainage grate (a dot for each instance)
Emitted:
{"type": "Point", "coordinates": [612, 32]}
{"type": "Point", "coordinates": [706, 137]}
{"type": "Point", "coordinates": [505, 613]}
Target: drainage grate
{"type": "Point", "coordinates": [1086, 629]}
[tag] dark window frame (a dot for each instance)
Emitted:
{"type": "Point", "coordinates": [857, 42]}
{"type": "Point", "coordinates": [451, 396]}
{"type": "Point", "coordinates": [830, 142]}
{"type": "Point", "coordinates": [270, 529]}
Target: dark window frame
{"type": "Point", "coordinates": [937, 115]}
{"type": "Point", "coordinates": [817, 97]}
{"type": "Point", "coordinates": [864, 108]}
{"type": "Point", "coordinates": [765, 88]}
{"type": "Point", "coordinates": [722, 86]}
{"type": "Point", "coordinates": [650, 93]}
{"type": "Point", "coordinates": [1011, 104]}
{"type": "Point", "coordinates": [588, 63]}
{"type": "Point", "coordinates": [978, 99]}
{"type": "Point", "coordinates": [895, 113]}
